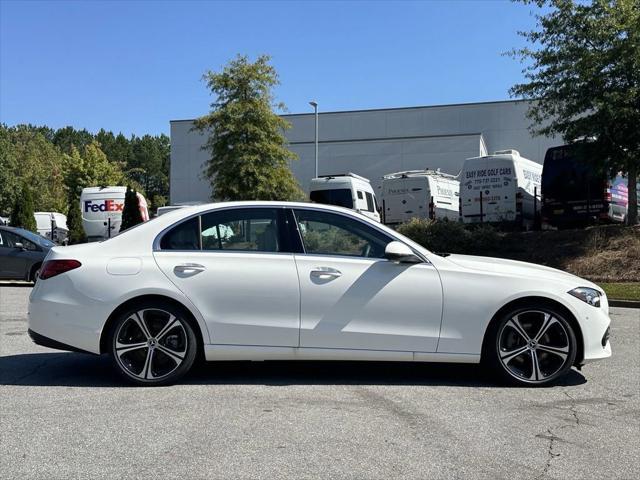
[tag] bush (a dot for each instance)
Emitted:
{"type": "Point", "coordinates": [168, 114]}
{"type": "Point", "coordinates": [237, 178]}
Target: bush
{"type": "Point", "coordinates": [437, 236]}
{"type": "Point", "coordinates": [443, 236]}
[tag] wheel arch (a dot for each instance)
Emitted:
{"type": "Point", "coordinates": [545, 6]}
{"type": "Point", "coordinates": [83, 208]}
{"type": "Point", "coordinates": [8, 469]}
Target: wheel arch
{"type": "Point", "coordinates": [541, 301]}
{"type": "Point", "coordinates": [129, 303]}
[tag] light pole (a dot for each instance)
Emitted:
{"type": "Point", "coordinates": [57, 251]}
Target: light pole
{"type": "Point", "coordinates": [314, 104]}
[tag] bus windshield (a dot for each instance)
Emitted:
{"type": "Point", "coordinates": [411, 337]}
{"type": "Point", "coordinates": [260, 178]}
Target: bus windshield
{"type": "Point", "coordinates": [340, 197]}
{"type": "Point", "coordinates": [566, 176]}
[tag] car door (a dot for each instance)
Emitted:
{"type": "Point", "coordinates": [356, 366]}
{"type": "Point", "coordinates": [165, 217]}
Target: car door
{"type": "Point", "coordinates": [12, 259]}
{"type": "Point", "coordinates": [354, 298]}
{"type": "Point", "coordinates": [237, 268]}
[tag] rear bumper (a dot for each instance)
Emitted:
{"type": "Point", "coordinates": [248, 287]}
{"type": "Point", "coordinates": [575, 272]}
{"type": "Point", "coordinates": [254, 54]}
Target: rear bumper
{"type": "Point", "coordinates": [51, 343]}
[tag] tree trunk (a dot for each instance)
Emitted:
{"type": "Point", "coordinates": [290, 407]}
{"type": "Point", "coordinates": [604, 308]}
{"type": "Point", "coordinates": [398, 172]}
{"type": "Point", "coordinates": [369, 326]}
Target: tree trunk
{"type": "Point", "coordinates": [632, 213]}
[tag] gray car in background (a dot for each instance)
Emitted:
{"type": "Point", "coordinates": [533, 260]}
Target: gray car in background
{"type": "Point", "coordinates": [21, 253]}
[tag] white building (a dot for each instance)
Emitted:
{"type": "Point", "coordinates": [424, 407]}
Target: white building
{"type": "Point", "coordinates": [373, 143]}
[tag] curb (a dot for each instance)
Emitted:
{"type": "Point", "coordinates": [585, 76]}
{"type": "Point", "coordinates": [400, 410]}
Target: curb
{"type": "Point", "coordinates": [624, 303]}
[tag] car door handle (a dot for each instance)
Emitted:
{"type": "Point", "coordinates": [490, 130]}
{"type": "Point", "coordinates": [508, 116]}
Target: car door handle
{"type": "Point", "coordinates": [189, 268]}
{"type": "Point", "coordinates": [325, 272]}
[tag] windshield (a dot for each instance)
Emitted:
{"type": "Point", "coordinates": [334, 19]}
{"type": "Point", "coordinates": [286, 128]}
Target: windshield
{"type": "Point", "coordinates": [340, 197]}
{"type": "Point", "coordinates": [568, 176]}
{"type": "Point", "coordinates": [43, 242]}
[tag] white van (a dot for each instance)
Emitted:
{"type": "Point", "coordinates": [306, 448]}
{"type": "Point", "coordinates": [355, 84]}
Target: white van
{"type": "Point", "coordinates": [170, 208]}
{"type": "Point", "coordinates": [503, 187]}
{"type": "Point", "coordinates": [346, 190]}
{"type": "Point", "coordinates": [419, 193]}
{"type": "Point", "coordinates": [52, 225]}
{"type": "Point", "coordinates": [102, 211]}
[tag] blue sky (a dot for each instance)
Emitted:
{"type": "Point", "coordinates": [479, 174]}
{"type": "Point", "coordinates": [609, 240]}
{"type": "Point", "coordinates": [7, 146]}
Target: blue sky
{"type": "Point", "coordinates": [133, 66]}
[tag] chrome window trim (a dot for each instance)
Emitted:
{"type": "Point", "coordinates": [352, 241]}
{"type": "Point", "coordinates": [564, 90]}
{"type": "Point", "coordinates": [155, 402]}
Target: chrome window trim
{"type": "Point", "coordinates": [158, 239]}
{"type": "Point", "coordinates": [393, 239]}
{"type": "Point", "coordinates": [311, 206]}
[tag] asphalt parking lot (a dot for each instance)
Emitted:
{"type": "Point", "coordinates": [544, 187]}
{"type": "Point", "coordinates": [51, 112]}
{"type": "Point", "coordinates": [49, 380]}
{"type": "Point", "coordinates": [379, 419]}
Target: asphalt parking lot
{"type": "Point", "coordinates": [66, 415]}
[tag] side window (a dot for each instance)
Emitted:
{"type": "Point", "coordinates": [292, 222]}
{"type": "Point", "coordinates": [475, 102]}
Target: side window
{"type": "Point", "coordinates": [359, 194]}
{"type": "Point", "coordinates": [10, 239]}
{"type": "Point", "coordinates": [241, 229]}
{"type": "Point", "coordinates": [28, 244]}
{"type": "Point", "coordinates": [184, 236]}
{"type": "Point", "coordinates": [326, 233]}
{"type": "Point", "coordinates": [2, 243]}
{"type": "Point", "coordinates": [370, 205]}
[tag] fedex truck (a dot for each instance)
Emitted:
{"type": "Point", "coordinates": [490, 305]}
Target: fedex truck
{"type": "Point", "coordinates": [419, 193]}
{"type": "Point", "coordinates": [503, 187]}
{"type": "Point", "coordinates": [102, 208]}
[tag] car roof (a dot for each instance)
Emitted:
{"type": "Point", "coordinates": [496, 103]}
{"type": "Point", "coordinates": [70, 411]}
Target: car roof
{"type": "Point", "coordinates": [261, 203]}
{"type": "Point", "coordinates": [9, 228]}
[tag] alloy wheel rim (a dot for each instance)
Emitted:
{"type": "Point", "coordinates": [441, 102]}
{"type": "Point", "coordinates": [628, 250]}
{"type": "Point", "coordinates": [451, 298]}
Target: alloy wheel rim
{"type": "Point", "coordinates": [533, 345]}
{"type": "Point", "coordinates": [150, 344]}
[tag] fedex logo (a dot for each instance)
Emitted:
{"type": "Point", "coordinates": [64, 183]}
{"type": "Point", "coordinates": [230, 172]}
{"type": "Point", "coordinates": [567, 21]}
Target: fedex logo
{"type": "Point", "coordinates": [105, 206]}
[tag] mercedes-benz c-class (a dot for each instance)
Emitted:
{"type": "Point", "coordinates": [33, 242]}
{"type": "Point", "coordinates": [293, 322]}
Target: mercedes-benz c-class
{"type": "Point", "coordinates": [289, 281]}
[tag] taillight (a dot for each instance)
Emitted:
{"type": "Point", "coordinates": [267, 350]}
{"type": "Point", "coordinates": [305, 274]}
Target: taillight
{"type": "Point", "coordinates": [51, 268]}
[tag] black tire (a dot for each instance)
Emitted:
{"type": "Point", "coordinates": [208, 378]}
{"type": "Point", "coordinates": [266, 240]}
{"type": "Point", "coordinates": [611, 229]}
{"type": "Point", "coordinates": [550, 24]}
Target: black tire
{"type": "Point", "coordinates": [35, 271]}
{"type": "Point", "coordinates": [544, 356]}
{"type": "Point", "coordinates": [162, 354]}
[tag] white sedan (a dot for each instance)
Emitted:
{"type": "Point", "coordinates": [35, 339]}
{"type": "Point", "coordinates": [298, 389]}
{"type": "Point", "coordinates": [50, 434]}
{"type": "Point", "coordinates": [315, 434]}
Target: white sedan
{"type": "Point", "coordinates": [285, 281]}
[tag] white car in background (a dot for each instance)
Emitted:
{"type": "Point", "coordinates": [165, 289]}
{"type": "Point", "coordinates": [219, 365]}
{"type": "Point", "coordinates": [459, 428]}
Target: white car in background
{"type": "Point", "coordinates": [284, 281]}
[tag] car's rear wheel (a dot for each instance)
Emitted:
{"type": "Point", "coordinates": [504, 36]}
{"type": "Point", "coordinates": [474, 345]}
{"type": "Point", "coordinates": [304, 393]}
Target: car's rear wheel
{"type": "Point", "coordinates": [532, 346]}
{"type": "Point", "coordinates": [152, 344]}
{"type": "Point", "coordinates": [34, 272]}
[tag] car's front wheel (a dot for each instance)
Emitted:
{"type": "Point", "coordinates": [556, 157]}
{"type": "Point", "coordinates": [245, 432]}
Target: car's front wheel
{"type": "Point", "coordinates": [532, 346]}
{"type": "Point", "coordinates": [152, 344]}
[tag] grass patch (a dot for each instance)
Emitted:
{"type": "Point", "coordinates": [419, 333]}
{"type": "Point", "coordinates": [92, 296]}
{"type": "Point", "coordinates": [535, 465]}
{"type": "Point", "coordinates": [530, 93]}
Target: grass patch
{"type": "Point", "coordinates": [622, 291]}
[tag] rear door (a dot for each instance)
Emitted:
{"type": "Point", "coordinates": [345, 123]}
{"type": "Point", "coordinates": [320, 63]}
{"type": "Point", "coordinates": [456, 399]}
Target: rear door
{"type": "Point", "coordinates": [236, 266]}
{"type": "Point", "coordinates": [489, 191]}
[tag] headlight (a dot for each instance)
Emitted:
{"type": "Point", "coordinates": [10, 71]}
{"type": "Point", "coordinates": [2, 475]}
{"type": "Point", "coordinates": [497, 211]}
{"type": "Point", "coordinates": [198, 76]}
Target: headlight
{"type": "Point", "coordinates": [587, 295]}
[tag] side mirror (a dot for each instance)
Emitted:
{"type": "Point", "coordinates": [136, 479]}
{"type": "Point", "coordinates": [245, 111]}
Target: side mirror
{"type": "Point", "coordinates": [401, 253]}
{"type": "Point", "coordinates": [18, 245]}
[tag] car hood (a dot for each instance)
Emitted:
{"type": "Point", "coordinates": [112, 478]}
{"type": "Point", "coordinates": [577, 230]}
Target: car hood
{"type": "Point", "coordinates": [521, 269]}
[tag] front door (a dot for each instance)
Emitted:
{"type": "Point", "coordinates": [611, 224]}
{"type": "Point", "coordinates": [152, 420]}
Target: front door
{"type": "Point", "coordinates": [236, 267]}
{"type": "Point", "coordinates": [13, 260]}
{"type": "Point", "coordinates": [354, 298]}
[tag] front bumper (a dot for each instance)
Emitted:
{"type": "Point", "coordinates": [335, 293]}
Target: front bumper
{"type": "Point", "coordinates": [594, 325]}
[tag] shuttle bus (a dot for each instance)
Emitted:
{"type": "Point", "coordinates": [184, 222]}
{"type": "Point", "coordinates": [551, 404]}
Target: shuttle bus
{"type": "Point", "coordinates": [574, 193]}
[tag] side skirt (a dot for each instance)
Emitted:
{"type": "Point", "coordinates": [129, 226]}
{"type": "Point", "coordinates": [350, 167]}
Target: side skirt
{"type": "Point", "coordinates": [260, 353]}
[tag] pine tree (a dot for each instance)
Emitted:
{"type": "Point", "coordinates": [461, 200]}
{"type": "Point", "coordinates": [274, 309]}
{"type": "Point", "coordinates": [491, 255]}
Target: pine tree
{"type": "Point", "coordinates": [22, 215]}
{"type": "Point", "coordinates": [131, 212]}
{"type": "Point", "coordinates": [74, 221]}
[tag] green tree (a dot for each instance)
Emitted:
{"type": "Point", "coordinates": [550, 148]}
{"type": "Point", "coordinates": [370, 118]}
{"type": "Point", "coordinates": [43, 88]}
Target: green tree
{"type": "Point", "coordinates": [249, 154]}
{"type": "Point", "coordinates": [41, 165]}
{"type": "Point", "coordinates": [22, 213]}
{"type": "Point", "coordinates": [131, 212]}
{"type": "Point", "coordinates": [9, 179]}
{"type": "Point", "coordinates": [87, 169]}
{"type": "Point", "coordinates": [148, 165]}
{"type": "Point", "coordinates": [68, 137]}
{"type": "Point", "coordinates": [74, 221]}
{"type": "Point", "coordinates": [583, 77]}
